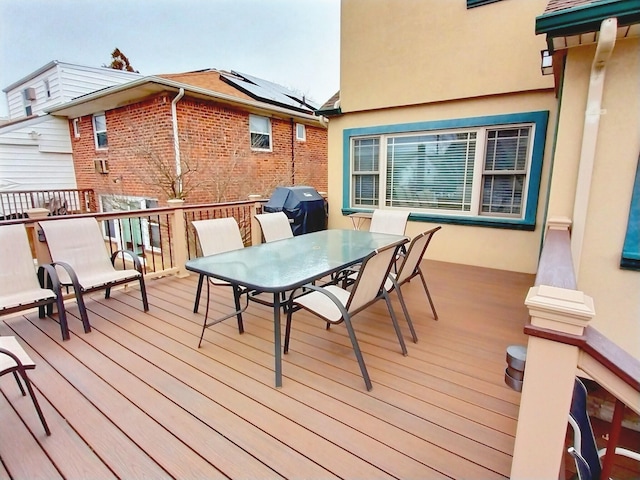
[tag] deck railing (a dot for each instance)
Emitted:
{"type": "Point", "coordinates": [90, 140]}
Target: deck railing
{"type": "Point", "coordinates": [163, 238]}
{"type": "Point", "coordinates": [15, 204]}
{"type": "Point", "coordinates": [562, 345]}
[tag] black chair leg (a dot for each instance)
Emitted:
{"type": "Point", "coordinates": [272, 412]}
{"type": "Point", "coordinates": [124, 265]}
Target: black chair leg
{"type": "Point", "coordinates": [236, 298]}
{"type": "Point", "coordinates": [356, 349]}
{"type": "Point", "coordinates": [196, 304]}
{"type": "Point", "coordinates": [143, 293]}
{"type": "Point", "coordinates": [23, 374]}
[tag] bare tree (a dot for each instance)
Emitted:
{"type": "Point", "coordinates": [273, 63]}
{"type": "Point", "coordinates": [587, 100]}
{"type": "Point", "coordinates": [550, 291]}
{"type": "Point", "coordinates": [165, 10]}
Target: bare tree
{"type": "Point", "coordinates": [119, 61]}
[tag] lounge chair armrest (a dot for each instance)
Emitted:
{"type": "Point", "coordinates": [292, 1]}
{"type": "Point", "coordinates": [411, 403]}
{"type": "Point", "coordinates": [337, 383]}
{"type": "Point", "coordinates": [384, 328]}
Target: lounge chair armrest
{"type": "Point", "coordinates": [12, 355]}
{"type": "Point", "coordinates": [325, 292]}
{"type": "Point", "coordinates": [72, 274]}
{"type": "Point", "coordinates": [623, 452]}
{"type": "Point", "coordinates": [136, 260]}
{"type": "Point", "coordinates": [50, 270]}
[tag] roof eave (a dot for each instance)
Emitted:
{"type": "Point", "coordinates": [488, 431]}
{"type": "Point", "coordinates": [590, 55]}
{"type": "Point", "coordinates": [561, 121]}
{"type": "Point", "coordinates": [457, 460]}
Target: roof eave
{"type": "Point", "coordinates": [587, 18]}
{"type": "Point", "coordinates": [128, 93]}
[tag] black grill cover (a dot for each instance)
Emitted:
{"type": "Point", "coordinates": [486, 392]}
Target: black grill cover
{"type": "Point", "coordinates": [304, 206]}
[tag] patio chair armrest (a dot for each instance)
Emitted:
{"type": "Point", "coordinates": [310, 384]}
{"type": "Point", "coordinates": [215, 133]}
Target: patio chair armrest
{"type": "Point", "coordinates": [325, 292]}
{"type": "Point", "coordinates": [13, 357]}
{"type": "Point", "coordinates": [50, 271]}
{"type": "Point", "coordinates": [136, 260]}
{"type": "Point", "coordinates": [72, 274]}
{"type": "Point", "coordinates": [622, 452]}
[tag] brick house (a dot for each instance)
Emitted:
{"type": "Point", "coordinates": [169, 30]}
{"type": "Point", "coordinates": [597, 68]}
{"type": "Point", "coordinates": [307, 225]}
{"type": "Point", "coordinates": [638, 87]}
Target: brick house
{"type": "Point", "coordinates": [211, 136]}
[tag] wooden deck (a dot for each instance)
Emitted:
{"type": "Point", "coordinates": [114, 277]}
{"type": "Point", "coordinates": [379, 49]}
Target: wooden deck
{"type": "Point", "coordinates": [136, 398]}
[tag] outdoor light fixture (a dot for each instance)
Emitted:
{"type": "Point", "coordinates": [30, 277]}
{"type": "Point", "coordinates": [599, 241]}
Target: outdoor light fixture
{"type": "Point", "coordinates": [546, 63]}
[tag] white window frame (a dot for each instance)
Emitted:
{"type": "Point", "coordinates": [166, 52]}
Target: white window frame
{"type": "Point", "coordinates": [525, 183]}
{"type": "Point", "coordinates": [100, 130]}
{"type": "Point", "coordinates": [111, 203]}
{"type": "Point", "coordinates": [265, 131]}
{"type": "Point", "coordinates": [301, 132]}
{"type": "Point", "coordinates": [47, 88]}
{"type": "Point", "coordinates": [76, 127]}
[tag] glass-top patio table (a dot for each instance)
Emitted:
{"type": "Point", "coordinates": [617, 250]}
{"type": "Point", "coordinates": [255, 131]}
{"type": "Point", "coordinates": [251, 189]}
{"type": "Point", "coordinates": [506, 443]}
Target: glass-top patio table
{"type": "Point", "coordinates": [285, 265]}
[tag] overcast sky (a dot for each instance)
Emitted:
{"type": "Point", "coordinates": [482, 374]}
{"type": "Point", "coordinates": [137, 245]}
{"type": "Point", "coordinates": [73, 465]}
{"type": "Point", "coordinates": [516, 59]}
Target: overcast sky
{"type": "Point", "coordinates": [295, 43]}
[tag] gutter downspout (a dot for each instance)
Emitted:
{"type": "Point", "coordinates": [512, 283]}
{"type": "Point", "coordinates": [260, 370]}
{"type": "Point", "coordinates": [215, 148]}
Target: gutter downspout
{"type": "Point", "coordinates": [176, 141]}
{"type": "Point", "coordinates": [606, 42]}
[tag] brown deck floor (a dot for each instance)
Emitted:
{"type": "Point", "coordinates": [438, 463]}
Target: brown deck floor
{"type": "Point", "coordinates": [136, 397]}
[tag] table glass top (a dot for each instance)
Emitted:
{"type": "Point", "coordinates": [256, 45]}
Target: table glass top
{"type": "Point", "coordinates": [290, 263]}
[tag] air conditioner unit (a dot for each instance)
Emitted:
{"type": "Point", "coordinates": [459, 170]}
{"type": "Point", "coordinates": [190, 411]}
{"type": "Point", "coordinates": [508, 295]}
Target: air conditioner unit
{"type": "Point", "coordinates": [102, 166]}
{"type": "Point", "coordinates": [29, 93]}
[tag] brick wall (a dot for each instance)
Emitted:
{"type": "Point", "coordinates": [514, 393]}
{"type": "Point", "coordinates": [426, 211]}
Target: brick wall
{"type": "Point", "coordinates": [214, 145]}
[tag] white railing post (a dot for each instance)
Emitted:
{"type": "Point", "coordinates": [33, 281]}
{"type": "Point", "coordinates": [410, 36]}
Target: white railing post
{"type": "Point", "coordinates": [548, 381]}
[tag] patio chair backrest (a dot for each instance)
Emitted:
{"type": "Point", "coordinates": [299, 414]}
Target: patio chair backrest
{"type": "Point", "coordinates": [414, 255]}
{"type": "Point", "coordinates": [78, 242]}
{"type": "Point", "coordinates": [372, 276]}
{"type": "Point", "coordinates": [275, 226]}
{"type": "Point", "coordinates": [389, 221]}
{"type": "Point", "coordinates": [17, 270]}
{"type": "Point", "coordinates": [218, 235]}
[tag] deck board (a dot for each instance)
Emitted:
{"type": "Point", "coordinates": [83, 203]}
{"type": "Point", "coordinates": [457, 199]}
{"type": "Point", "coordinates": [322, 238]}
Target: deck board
{"type": "Point", "coordinates": [136, 398]}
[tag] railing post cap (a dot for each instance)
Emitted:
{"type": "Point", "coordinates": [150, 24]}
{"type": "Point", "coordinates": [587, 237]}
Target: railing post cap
{"type": "Point", "coordinates": [559, 223]}
{"type": "Point", "coordinates": [559, 308]}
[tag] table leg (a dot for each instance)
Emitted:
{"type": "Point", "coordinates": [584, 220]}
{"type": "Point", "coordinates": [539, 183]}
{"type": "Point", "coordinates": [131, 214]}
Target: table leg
{"type": "Point", "coordinates": [276, 338]}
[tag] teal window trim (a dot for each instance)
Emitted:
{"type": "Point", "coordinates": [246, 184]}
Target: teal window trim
{"type": "Point", "coordinates": [528, 222]}
{"type": "Point", "coordinates": [631, 248]}
{"type": "Point", "coordinates": [479, 3]}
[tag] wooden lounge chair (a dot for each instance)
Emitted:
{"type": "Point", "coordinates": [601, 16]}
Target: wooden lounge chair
{"type": "Point", "coordinates": [79, 253]}
{"type": "Point", "coordinates": [275, 226]}
{"type": "Point", "coordinates": [336, 305]}
{"type": "Point", "coordinates": [13, 359]}
{"type": "Point", "coordinates": [20, 287]}
{"type": "Point", "coordinates": [219, 235]}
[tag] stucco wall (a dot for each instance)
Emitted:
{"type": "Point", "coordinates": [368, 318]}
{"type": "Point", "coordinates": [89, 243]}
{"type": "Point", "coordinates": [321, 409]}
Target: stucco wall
{"type": "Point", "coordinates": [499, 248]}
{"type": "Point", "coordinates": [616, 292]}
{"type": "Point", "coordinates": [412, 52]}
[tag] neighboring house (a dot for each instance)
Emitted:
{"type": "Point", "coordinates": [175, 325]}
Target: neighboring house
{"type": "Point", "coordinates": [35, 148]}
{"type": "Point", "coordinates": [205, 136]}
{"type": "Point", "coordinates": [444, 111]}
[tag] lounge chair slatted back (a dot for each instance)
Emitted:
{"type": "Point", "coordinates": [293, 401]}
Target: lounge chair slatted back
{"type": "Point", "coordinates": [20, 286]}
{"type": "Point", "coordinates": [218, 235]}
{"type": "Point", "coordinates": [77, 248]}
{"type": "Point", "coordinates": [389, 221]}
{"type": "Point", "coordinates": [275, 226]}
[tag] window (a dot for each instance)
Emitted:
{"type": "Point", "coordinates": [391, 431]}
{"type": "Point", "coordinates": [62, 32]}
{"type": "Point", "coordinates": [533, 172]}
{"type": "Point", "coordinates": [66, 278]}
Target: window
{"type": "Point", "coordinates": [479, 3]}
{"type": "Point", "coordinates": [631, 248]}
{"type": "Point", "coordinates": [260, 130]}
{"type": "Point", "coordinates": [481, 170]}
{"type": "Point", "coordinates": [76, 127]}
{"type": "Point", "coordinates": [27, 110]}
{"type": "Point", "coordinates": [100, 130]}
{"type": "Point", "coordinates": [135, 234]}
{"type": "Point", "coordinates": [47, 88]}
{"type": "Point", "coordinates": [301, 132]}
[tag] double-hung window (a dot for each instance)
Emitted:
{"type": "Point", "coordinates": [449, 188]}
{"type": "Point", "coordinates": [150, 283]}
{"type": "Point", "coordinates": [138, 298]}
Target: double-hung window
{"type": "Point", "coordinates": [260, 132]}
{"type": "Point", "coordinates": [100, 130]}
{"type": "Point", "coordinates": [481, 170]}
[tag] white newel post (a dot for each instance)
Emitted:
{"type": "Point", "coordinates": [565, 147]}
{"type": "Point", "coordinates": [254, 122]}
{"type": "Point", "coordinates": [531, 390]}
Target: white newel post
{"type": "Point", "coordinates": [548, 381]}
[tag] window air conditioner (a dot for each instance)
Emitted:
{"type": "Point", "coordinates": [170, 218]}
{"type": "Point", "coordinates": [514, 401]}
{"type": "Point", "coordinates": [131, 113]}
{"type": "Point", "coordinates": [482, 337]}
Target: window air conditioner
{"type": "Point", "coordinates": [102, 166]}
{"type": "Point", "coordinates": [29, 93]}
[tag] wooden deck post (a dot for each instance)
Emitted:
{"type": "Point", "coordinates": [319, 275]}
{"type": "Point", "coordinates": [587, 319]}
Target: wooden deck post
{"type": "Point", "coordinates": [179, 240]}
{"type": "Point", "coordinates": [548, 381]}
{"type": "Point", "coordinates": [256, 232]}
